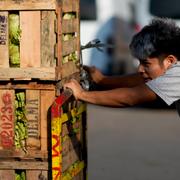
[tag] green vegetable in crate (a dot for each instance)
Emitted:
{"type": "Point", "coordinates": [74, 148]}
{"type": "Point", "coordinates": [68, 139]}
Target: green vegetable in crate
{"type": "Point", "coordinates": [71, 57]}
{"type": "Point", "coordinates": [14, 39]}
{"type": "Point", "coordinates": [65, 59]}
{"type": "Point", "coordinates": [21, 121]}
{"type": "Point", "coordinates": [14, 55]}
{"type": "Point", "coordinates": [20, 175]}
{"type": "Point", "coordinates": [67, 37]}
{"type": "Point", "coordinates": [68, 16]}
{"type": "Point", "coordinates": [14, 28]}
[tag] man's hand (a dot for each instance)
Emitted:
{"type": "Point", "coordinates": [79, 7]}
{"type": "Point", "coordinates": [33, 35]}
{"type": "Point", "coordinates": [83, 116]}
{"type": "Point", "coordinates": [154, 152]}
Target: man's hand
{"type": "Point", "coordinates": [75, 87]}
{"type": "Point", "coordinates": [95, 74]}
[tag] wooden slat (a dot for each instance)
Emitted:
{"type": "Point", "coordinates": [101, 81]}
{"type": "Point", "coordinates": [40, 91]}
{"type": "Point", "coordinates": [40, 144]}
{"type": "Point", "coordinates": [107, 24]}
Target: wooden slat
{"type": "Point", "coordinates": [27, 4]}
{"type": "Point", "coordinates": [7, 174]}
{"type": "Point", "coordinates": [20, 154]}
{"type": "Point", "coordinates": [66, 70]}
{"type": "Point", "coordinates": [7, 119]}
{"type": "Point", "coordinates": [48, 39]}
{"type": "Point", "coordinates": [69, 46]}
{"type": "Point", "coordinates": [33, 118]}
{"type": "Point", "coordinates": [23, 73]}
{"type": "Point", "coordinates": [28, 86]}
{"type": "Point", "coordinates": [30, 39]}
{"type": "Point", "coordinates": [4, 40]}
{"type": "Point", "coordinates": [34, 175]}
{"type": "Point", "coordinates": [47, 98]}
{"type": "Point", "coordinates": [36, 165]}
{"type": "Point", "coordinates": [70, 26]}
{"type": "Point", "coordinates": [70, 5]}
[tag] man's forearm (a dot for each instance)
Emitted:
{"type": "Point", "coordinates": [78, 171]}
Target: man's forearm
{"type": "Point", "coordinates": [99, 98]}
{"type": "Point", "coordinates": [110, 82]}
{"type": "Point", "coordinates": [119, 97]}
{"type": "Point", "coordinates": [114, 98]}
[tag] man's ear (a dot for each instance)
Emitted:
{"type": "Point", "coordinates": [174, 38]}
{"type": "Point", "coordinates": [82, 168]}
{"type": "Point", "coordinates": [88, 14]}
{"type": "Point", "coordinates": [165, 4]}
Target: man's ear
{"type": "Point", "coordinates": [169, 61]}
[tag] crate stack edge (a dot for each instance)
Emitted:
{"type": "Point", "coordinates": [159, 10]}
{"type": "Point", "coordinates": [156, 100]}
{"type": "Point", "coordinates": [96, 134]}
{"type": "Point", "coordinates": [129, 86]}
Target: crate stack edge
{"type": "Point", "coordinates": [48, 52]}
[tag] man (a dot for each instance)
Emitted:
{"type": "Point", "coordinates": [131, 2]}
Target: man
{"type": "Point", "coordinates": [157, 46]}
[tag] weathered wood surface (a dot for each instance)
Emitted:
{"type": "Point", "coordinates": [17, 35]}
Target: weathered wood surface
{"type": "Point", "coordinates": [70, 5]}
{"type": "Point", "coordinates": [69, 46]}
{"type": "Point", "coordinates": [47, 98]}
{"type": "Point", "coordinates": [7, 175]}
{"type": "Point", "coordinates": [30, 44]}
{"type": "Point", "coordinates": [31, 85]}
{"type": "Point", "coordinates": [23, 73]}
{"type": "Point", "coordinates": [34, 175]}
{"type": "Point", "coordinates": [69, 26]}
{"type": "Point", "coordinates": [66, 70]}
{"type": "Point", "coordinates": [36, 165]}
{"type": "Point", "coordinates": [48, 38]}
{"type": "Point", "coordinates": [27, 4]}
{"type": "Point", "coordinates": [20, 154]}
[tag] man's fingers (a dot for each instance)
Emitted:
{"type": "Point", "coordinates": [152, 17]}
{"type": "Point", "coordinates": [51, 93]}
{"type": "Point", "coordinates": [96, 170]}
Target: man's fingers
{"type": "Point", "coordinates": [70, 83]}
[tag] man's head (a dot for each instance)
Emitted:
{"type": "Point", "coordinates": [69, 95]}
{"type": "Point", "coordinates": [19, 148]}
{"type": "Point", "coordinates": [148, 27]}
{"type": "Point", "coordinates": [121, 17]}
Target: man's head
{"type": "Point", "coordinates": [157, 46]}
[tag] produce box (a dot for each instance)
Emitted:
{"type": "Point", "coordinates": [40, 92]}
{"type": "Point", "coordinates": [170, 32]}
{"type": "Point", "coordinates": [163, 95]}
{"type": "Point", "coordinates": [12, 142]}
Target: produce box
{"type": "Point", "coordinates": [41, 136]}
{"type": "Point", "coordinates": [39, 39]}
{"type": "Point", "coordinates": [24, 118]}
{"type": "Point", "coordinates": [39, 51]}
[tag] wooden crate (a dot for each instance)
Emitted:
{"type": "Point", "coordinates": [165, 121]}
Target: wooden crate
{"type": "Point", "coordinates": [44, 28]}
{"type": "Point", "coordinates": [55, 147]}
{"type": "Point", "coordinates": [38, 100]}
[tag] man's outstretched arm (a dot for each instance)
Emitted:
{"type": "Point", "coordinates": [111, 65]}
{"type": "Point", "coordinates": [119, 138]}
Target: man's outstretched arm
{"type": "Point", "coordinates": [111, 82]}
{"type": "Point", "coordinates": [120, 97]}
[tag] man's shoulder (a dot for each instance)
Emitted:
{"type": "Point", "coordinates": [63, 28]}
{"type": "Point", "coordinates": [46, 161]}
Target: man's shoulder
{"type": "Point", "coordinates": [174, 68]}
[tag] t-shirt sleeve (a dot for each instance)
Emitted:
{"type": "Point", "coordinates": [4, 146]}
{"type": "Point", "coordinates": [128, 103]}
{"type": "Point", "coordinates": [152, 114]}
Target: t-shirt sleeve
{"type": "Point", "coordinates": [167, 86]}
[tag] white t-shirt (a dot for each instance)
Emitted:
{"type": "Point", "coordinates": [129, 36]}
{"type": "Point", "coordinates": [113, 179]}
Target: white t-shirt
{"type": "Point", "coordinates": [167, 86]}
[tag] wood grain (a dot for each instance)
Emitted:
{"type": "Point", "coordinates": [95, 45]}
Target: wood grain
{"type": "Point", "coordinates": [30, 39]}
{"type": "Point", "coordinates": [27, 4]}
{"type": "Point", "coordinates": [48, 39]}
{"type": "Point", "coordinates": [47, 98]}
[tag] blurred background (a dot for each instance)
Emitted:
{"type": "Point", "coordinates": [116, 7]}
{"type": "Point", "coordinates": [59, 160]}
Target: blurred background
{"type": "Point", "coordinates": [115, 22]}
{"type": "Point", "coordinates": [140, 143]}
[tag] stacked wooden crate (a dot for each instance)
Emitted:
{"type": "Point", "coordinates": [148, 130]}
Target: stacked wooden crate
{"type": "Point", "coordinates": [48, 51]}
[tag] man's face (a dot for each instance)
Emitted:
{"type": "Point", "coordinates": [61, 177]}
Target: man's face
{"type": "Point", "coordinates": [151, 68]}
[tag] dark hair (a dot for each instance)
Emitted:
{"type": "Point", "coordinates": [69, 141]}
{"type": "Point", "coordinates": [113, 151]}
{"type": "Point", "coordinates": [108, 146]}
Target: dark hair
{"type": "Point", "coordinates": [160, 38]}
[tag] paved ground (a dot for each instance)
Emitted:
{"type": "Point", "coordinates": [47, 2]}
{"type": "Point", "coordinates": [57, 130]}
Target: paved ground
{"type": "Point", "coordinates": [133, 144]}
